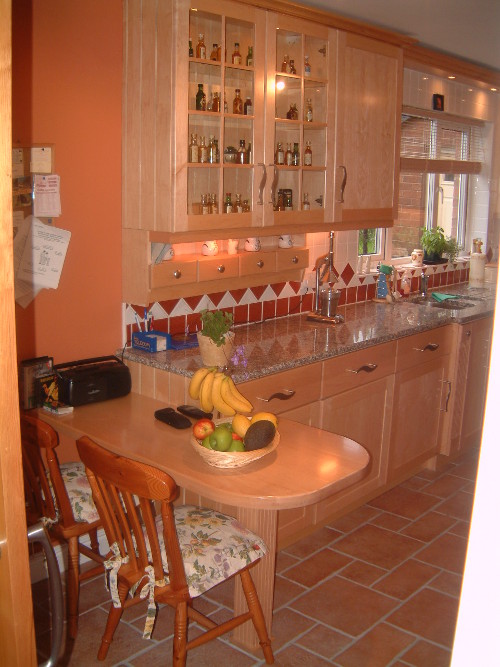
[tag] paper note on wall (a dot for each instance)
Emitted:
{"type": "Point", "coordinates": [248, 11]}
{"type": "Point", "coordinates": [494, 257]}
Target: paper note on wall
{"type": "Point", "coordinates": [47, 197]}
{"type": "Point", "coordinates": [41, 160]}
{"type": "Point", "coordinates": [43, 256]}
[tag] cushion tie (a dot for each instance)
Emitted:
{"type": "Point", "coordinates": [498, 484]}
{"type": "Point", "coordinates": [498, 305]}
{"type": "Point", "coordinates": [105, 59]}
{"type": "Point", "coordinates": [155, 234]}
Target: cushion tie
{"type": "Point", "coordinates": [148, 590]}
{"type": "Point", "coordinates": [112, 565]}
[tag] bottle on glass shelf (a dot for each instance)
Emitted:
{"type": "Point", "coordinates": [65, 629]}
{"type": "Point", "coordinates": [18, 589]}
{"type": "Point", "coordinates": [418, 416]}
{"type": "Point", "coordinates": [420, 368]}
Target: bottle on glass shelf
{"type": "Point", "coordinates": [250, 57]}
{"type": "Point", "coordinates": [306, 206]}
{"type": "Point", "coordinates": [238, 207]}
{"type": "Point", "coordinates": [212, 151]}
{"type": "Point", "coordinates": [216, 102]}
{"type": "Point", "coordinates": [280, 154]}
{"type": "Point", "coordinates": [205, 205]}
{"type": "Point", "coordinates": [194, 149]}
{"type": "Point", "coordinates": [246, 206]}
{"type": "Point", "coordinates": [307, 66]}
{"type": "Point", "coordinates": [236, 57]}
{"type": "Point", "coordinates": [309, 110]}
{"type": "Point", "coordinates": [214, 206]}
{"type": "Point", "coordinates": [203, 150]}
{"type": "Point", "coordinates": [285, 63]}
{"type": "Point", "coordinates": [228, 204]}
{"type": "Point", "coordinates": [225, 104]}
{"type": "Point", "coordinates": [241, 155]}
{"type": "Point", "coordinates": [201, 99]}
{"type": "Point", "coordinates": [191, 50]}
{"type": "Point", "coordinates": [296, 155]}
{"type": "Point", "coordinates": [308, 155]}
{"type": "Point", "coordinates": [291, 67]}
{"type": "Point", "coordinates": [292, 113]}
{"type": "Point", "coordinates": [210, 103]}
{"type": "Point", "coordinates": [237, 102]}
{"type": "Point", "coordinates": [248, 107]}
{"type": "Point", "coordinates": [288, 156]}
{"type": "Point", "coordinates": [213, 55]}
{"type": "Point", "coordinates": [288, 201]}
{"type": "Point", "coordinates": [201, 49]}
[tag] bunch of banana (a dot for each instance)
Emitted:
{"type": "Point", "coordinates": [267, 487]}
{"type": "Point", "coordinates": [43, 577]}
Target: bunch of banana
{"type": "Point", "coordinates": [215, 390]}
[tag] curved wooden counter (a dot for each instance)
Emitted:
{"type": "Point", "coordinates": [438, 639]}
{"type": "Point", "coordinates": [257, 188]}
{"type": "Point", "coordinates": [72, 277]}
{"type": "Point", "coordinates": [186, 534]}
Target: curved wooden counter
{"type": "Point", "coordinates": [308, 465]}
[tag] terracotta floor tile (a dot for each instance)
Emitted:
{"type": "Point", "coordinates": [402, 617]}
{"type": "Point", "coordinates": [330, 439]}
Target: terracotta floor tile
{"type": "Point", "coordinates": [377, 648]}
{"type": "Point", "coordinates": [308, 545]}
{"type": "Point", "coordinates": [447, 552]}
{"type": "Point", "coordinates": [323, 640]}
{"type": "Point", "coordinates": [390, 521]}
{"type": "Point", "coordinates": [284, 561]}
{"type": "Point", "coordinates": [319, 566]}
{"type": "Point", "coordinates": [445, 486]}
{"type": "Point", "coordinates": [287, 624]}
{"type": "Point", "coordinates": [467, 470]}
{"type": "Point", "coordinates": [404, 502]}
{"type": "Point", "coordinates": [406, 579]}
{"type": "Point", "coordinates": [284, 591]}
{"type": "Point", "coordinates": [415, 483]}
{"type": "Point", "coordinates": [429, 614]}
{"type": "Point", "coordinates": [458, 506]}
{"type": "Point", "coordinates": [448, 582]}
{"type": "Point", "coordinates": [92, 594]}
{"type": "Point", "coordinates": [338, 602]}
{"type": "Point", "coordinates": [363, 573]}
{"type": "Point", "coordinates": [354, 519]}
{"type": "Point", "coordinates": [428, 527]}
{"type": "Point", "coordinates": [423, 654]}
{"type": "Point", "coordinates": [461, 528]}
{"type": "Point", "coordinates": [377, 546]}
{"type": "Point", "coordinates": [295, 656]}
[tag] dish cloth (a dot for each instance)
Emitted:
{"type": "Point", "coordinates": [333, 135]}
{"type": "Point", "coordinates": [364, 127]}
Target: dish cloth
{"type": "Point", "coordinates": [442, 297]}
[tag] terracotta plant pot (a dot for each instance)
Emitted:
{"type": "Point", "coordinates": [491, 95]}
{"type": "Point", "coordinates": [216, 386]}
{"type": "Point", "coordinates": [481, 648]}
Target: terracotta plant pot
{"type": "Point", "coordinates": [211, 354]}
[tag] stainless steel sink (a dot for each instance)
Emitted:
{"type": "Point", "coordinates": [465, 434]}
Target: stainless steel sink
{"type": "Point", "coordinates": [448, 304]}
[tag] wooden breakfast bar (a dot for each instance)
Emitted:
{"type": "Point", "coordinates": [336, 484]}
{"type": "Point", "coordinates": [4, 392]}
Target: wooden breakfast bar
{"type": "Point", "coordinates": [308, 465]}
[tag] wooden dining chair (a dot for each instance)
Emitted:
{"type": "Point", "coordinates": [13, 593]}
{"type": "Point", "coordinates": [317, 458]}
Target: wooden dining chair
{"type": "Point", "coordinates": [170, 556]}
{"type": "Point", "coordinates": [61, 497]}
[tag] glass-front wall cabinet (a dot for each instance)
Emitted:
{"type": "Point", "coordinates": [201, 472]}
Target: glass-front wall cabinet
{"type": "Point", "coordinates": [253, 119]}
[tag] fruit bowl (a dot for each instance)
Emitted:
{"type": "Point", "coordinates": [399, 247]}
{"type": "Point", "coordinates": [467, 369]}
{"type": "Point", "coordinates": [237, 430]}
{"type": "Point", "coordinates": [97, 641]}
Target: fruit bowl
{"type": "Point", "coordinates": [233, 459]}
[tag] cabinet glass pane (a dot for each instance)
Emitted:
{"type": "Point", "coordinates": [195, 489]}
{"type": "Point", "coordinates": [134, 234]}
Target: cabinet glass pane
{"type": "Point", "coordinates": [202, 182]}
{"type": "Point", "coordinates": [241, 33]}
{"type": "Point", "coordinates": [209, 26]}
{"type": "Point", "coordinates": [209, 78]}
{"type": "Point", "coordinates": [289, 54]}
{"type": "Point", "coordinates": [317, 51]}
{"type": "Point", "coordinates": [238, 181]}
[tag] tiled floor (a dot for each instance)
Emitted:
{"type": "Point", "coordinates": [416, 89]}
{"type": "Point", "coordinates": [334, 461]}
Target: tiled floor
{"type": "Point", "coordinates": [378, 587]}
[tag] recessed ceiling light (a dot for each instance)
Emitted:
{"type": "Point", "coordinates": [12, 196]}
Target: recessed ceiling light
{"type": "Point", "coordinates": [451, 77]}
{"type": "Point", "coordinates": [493, 90]}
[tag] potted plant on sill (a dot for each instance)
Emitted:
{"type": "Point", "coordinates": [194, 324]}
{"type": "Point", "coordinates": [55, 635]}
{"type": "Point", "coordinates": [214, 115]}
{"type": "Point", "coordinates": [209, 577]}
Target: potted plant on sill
{"type": "Point", "coordinates": [216, 340]}
{"type": "Point", "coordinates": [435, 244]}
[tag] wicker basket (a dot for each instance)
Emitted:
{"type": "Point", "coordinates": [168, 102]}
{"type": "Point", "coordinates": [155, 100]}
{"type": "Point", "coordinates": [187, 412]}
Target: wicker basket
{"type": "Point", "coordinates": [233, 459]}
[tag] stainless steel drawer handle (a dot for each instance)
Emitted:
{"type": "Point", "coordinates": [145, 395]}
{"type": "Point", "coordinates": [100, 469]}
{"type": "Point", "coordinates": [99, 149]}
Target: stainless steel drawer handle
{"type": "Point", "coordinates": [177, 274]}
{"type": "Point", "coordinates": [260, 264]}
{"type": "Point", "coordinates": [280, 395]}
{"type": "Point", "coordinates": [221, 268]}
{"type": "Point", "coordinates": [432, 347]}
{"type": "Point", "coordinates": [367, 368]}
{"type": "Point", "coordinates": [295, 259]}
{"type": "Point", "coordinates": [445, 409]}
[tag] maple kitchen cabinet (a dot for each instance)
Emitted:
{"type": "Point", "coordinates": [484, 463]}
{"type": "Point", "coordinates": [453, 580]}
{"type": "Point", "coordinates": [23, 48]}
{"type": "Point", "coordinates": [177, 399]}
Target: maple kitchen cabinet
{"type": "Point", "coordinates": [470, 364]}
{"type": "Point", "coordinates": [369, 90]}
{"type": "Point", "coordinates": [421, 406]}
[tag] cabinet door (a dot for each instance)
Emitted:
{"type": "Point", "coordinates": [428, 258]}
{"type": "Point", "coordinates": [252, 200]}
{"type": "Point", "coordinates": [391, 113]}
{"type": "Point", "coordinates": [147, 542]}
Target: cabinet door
{"type": "Point", "coordinates": [208, 135]}
{"type": "Point", "coordinates": [421, 396]}
{"type": "Point", "coordinates": [299, 127]}
{"type": "Point", "coordinates": [364, 415]}
{"type": "Point", "coordinates": [369, 90]}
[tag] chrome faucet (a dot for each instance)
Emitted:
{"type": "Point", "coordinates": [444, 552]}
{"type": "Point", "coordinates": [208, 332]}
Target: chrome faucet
{"type": "Point", "coordinates": [325, 274]}
{"type": "Point", "coordinates": [423, 284]}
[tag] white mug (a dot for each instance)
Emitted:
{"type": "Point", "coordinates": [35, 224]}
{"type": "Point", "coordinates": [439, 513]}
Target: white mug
{"type": "Point", "coordinates": [209, 248]}
{"type": "Point", "coordinates": [252, 244]}
{"type": "Point", "coordinates": [169, 253]}
{"type": "Point", "coordinates": [232, 246]}
{"type": "Point", "coordinates": [417, 257]}
{"type": "Point", "coordinates": [285, 241]}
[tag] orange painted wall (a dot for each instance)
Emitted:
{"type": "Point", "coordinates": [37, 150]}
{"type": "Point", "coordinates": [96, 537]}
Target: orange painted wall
{"type": "Point", "coordinates": [67, 72]}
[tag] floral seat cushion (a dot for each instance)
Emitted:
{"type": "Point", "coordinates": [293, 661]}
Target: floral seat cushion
{"type": "Point", "coordinates": [79, 491]}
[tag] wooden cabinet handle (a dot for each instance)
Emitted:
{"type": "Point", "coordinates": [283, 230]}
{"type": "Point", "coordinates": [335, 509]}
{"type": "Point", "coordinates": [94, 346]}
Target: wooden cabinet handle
{"type": "Point", "coordinates": [260, 264]}
{"type": "Point", "coordinates": [432, 347]}
{"type": "Point", "coordinates": [221, 268]}
{"type": "Point", "coordinates": [177, 273]}
{"type": "Point", "coordinates": [367, 368]}
{"type": "Point", "coordinates": [280, 395]}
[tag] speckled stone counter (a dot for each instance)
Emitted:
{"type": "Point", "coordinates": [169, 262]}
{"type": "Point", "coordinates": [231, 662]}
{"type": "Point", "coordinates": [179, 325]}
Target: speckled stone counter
{"type": "Point", "coordinates": [284, 343]}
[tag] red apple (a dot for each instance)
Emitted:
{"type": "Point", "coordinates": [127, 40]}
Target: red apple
{"type": "Point", "coordinates": [235, 436]}
{"type": "Point", "coordinates": [202, 428]}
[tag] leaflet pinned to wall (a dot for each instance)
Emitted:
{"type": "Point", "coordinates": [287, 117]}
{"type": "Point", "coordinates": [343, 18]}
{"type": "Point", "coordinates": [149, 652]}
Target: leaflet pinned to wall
{"type": "Point", "coordinates": [46, 196]}
{"type": "Point", "coordinates": [39, 254]}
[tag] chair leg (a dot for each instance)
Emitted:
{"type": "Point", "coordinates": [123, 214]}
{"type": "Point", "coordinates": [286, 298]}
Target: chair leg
{"type": "Point", "coordinates": [73, 592]}
{"type": "Point", "coordinates": [258, 619]}
{"type": "Point", "coordinates": [180, 635]}
{"type": "Point", "coordinates": [114, 616]}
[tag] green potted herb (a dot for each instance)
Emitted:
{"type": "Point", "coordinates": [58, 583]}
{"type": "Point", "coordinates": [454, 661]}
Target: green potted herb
{"type": "Point", "coordinates": [216, 340]}
{"type": "Point", "coordinates": [435, 244]}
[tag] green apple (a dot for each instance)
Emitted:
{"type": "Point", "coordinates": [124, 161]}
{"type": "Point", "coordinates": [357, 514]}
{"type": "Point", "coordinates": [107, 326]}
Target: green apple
{"type": "Point", "coordinates": [221, 439]}
{"type": "Point", "coordinates": [237, 446]}
{"type": "Point", "coordinates": [206, 442]}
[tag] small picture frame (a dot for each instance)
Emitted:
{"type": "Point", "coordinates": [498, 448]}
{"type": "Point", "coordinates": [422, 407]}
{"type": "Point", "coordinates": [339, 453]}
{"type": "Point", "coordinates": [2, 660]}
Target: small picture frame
{"type": "Point", "coordinates": [438, 102]}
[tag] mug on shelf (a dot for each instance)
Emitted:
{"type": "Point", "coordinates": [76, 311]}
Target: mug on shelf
{"type": "Point", "coordinates": [252, 244]}
{"type": "Point", "coordinates": [417, 257]}
{"type": "Point", "coordinates": [285, 241]}
{"type": "Point", "coordinates": [209, 248]}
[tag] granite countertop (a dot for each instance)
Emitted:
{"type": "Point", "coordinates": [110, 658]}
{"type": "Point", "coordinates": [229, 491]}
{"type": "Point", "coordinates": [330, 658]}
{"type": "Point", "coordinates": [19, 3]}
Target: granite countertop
{"type": "Point", "coordinates": [281, 344]}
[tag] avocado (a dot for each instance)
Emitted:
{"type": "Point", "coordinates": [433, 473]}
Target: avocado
{"type": "Point", "coordinates": [259, 435]}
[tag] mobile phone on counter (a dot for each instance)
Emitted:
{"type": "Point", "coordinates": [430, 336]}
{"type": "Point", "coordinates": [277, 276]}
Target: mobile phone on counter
{"type": "Point", "coordinates": [193, 412]}
{"type": "Point", "coordinates": [172, 418]}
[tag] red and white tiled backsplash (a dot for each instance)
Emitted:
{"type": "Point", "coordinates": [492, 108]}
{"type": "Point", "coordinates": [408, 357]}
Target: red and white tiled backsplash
{"type": "Point", "coordinates": [254, 304]}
